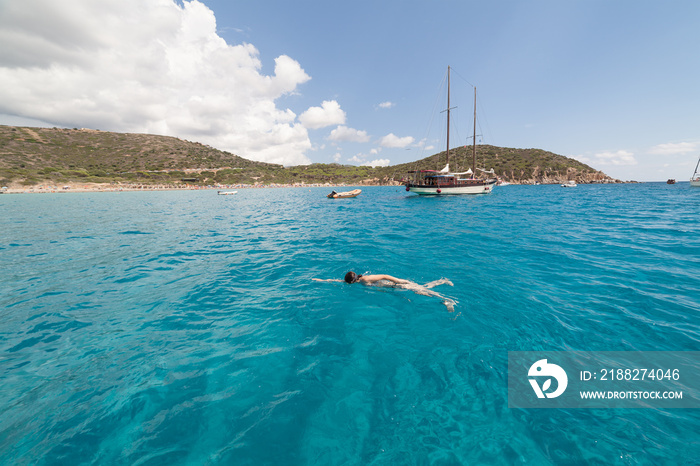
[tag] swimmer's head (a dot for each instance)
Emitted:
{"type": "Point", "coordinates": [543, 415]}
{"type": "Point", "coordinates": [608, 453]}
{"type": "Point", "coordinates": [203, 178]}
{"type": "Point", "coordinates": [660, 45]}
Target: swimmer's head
{"type": "Point", "coordinates": [352, 277]}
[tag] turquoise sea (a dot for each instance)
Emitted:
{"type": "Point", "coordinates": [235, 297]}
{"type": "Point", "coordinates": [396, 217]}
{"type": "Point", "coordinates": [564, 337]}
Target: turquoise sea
{"type": "Point", "coordinates": [169, 328]}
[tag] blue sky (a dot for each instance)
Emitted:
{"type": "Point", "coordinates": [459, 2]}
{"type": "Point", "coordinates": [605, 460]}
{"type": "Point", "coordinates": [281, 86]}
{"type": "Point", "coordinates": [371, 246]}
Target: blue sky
{"type": "Point", "coordinates": [610, 83]}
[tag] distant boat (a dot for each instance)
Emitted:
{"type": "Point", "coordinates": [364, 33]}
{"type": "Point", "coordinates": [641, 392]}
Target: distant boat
{"type": "Point", "coordinates": [431, 182]}
{"type": "Point", "coordinates": [343, 195]}
{"type": "Point", "coordinates": [670, 181]}
{"type": "Point", "coordinates": [695, 179]}
{"type": "Point", "coordinates": [569, 184]}
{"type": "Point", "coordinates": [226, 193]}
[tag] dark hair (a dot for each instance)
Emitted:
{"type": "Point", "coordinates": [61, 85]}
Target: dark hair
{"type": "Point", "coordinates": [352, 277]}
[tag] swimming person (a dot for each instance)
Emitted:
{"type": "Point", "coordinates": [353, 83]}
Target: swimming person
{"type": "Point", "coordinates": [393, 282]}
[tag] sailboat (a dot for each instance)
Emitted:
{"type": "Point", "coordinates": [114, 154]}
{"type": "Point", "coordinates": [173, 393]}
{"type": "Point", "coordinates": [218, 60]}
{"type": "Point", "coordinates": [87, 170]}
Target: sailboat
{"type": "Point", "coordinates": [433, 182]}
{"type": "Point", "coordinates": [695, 179]}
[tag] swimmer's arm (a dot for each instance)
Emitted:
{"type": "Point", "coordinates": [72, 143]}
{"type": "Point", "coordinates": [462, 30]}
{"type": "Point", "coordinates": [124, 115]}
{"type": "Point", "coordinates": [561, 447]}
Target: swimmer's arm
{"type": "Point", "coordinates": [326, 280]}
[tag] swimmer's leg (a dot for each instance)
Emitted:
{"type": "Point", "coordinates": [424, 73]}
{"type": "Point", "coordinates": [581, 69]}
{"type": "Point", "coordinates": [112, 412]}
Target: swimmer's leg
{"type": "Point", "coordinates": [423, 290]}
{"type": "Point", "coordinates": [442, 281]}
{"type": "Point", "coordinates": [448, 302]}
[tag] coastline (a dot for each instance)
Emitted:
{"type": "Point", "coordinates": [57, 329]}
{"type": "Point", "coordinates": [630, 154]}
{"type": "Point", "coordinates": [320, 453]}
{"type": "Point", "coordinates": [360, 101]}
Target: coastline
{"type": "Point", "coordinates": [73, 187]}
{"type": "Point", "coordinates": [108, 187]}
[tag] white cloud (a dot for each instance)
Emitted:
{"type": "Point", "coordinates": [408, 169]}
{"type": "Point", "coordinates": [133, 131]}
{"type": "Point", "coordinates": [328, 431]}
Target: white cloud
{"type": "Point", "coordinates": [337, 157]}
{"type": "Point", "coordinates": [386, 104]}
{"type": "Point", "coordinates": [149, 66]}
{"type": "Point", "coordinates": [343, 133]}
{"type": "Point", "coordinates": [377, 163]}
{"type": "Point", "coordinates": [674, 148]}
{"type": "Point", "coordinates": [329, 113]}
{"type": "Point", "coordinates": [425, 145]}
{"type": "Point", "coordinates": [391, 140]}
{"type": "Point", "coordinates": [619, 158]}
{"type": "Point", "coordinates": [361, 159]}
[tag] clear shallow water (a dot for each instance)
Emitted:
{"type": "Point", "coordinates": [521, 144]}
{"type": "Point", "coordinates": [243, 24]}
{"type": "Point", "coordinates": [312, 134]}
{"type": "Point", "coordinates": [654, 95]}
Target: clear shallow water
{"type": "Point", "coordinates": [184, 328]}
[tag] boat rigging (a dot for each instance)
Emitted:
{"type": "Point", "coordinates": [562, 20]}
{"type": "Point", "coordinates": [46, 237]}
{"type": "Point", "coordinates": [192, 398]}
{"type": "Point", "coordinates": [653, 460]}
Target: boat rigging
{"type": "Point", "coordinates": [433, 182]}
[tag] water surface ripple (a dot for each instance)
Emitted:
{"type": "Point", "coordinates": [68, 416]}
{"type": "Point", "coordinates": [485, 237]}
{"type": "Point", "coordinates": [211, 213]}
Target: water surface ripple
{"type": "Point", "coordinates": [184, 328]}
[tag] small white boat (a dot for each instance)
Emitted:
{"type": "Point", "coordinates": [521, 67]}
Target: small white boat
{"type": "Point", "coordinates": [353, 193]}
{"type": "Point", "coordinates": [569, 184]}
{"type": "Point", "coordinates": [226, 193]}
{"type": "Point", "coordinates": [695, 179]}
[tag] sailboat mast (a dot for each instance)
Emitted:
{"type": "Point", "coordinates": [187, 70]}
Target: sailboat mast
{"type": "Point", "coordinates": [448, 115]}
{"type": "Point", "coordinates": [474, 140]}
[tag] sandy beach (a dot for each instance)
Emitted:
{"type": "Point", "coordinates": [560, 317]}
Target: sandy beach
{"type": "Point", "coordinates": [111, 187]}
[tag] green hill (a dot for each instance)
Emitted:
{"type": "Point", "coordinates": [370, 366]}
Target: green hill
{"type": "Point", "coordinates": [31, 156]}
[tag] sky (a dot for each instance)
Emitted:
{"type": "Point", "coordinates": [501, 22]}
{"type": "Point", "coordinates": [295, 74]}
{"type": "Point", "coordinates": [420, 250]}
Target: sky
{"type": "Point", "coordinates": [613, 84]}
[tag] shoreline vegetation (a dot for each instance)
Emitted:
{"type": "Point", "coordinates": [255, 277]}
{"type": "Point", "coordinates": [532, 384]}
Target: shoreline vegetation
{"type": "Point", "coordinates": [51, 159]}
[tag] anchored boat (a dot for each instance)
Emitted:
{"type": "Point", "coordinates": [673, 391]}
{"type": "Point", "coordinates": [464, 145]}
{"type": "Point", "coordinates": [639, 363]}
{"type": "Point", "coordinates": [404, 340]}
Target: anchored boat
{"type": "Point", "coordinates": [346, 194]}
{"type": "Point", "coordinates": [695, 179]}
{"type": "Point", "coordinates": [433, 182]}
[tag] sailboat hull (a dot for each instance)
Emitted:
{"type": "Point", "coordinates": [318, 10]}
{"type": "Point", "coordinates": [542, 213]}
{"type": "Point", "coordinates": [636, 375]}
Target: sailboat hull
{"type": "Point", "coordinates": [484, 187]}
{"type": "Point", "coordinates": [695, 179]}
